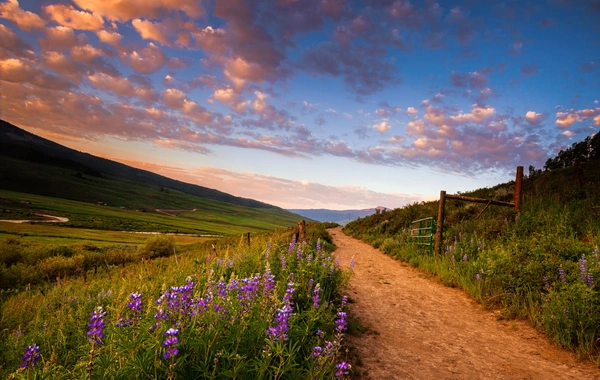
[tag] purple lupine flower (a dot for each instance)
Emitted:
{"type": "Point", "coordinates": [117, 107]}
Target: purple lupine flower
{"type": "Point", "coordinates": [478, 277]}
{"type": "Point", "coordinates": [299, 253]}
{"type": "Point", "coordinates": [343, 369]}
{"type": "Point", "coordinates": [561, 274]}
{"type": "Point", "coordinates": [315, 297]}
{"type": "Point", "coordinates": [268, 281]}
{"type": "Point", "coordinates": [344, 301]}
{"type": "Point", "coordinates": [279, 331]}
{"type": "Point", "coordinates": [170, 342]}
{"type": "Point", "coordinates": [96, 325]}
{"type": "Point", "coordinates": [565, 312]}
{"type": "Point", "coordinates": [352, 263]}
{"type": "Point", "coordinates": [465, 257]}
{"type": "Point", "coordinates": [267, 251]}
{"type": "Point", "coordinates": [317, 351]}
{"type": "Point", "coordinates": [283, 262]}
{"type": "Point", "coordinates": [292, 245]}
{"type": "Point", "coordinates": [546, 282]}
{"type": "Point", "coordinates": [453, 259]}
{"type": "Point", "coordinates": [341, 323]}
{"type": "Point", "coordinates": [318, 245]}
{"type": "Point", "coordinates": [311, 282]}
{"type": "Point", "coordinates": [31, 356]}
{"type": "Point", "coordinates": [590, 280]}
{"type": "Point", "coordinates": [583, 268]}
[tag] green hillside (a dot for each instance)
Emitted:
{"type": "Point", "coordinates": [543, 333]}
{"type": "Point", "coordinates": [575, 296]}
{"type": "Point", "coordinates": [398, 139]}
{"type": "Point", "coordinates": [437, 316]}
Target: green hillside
{"type": "Point", "coordinates": [542, 264]}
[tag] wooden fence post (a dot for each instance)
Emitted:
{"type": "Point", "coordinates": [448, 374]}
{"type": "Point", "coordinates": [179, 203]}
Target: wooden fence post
{"type": "Point", "coordinates": [440, 223]}
{"type": "Point", "coordinates": [248, 239]}
{"type": "Point", "coordinates": [518, 181]}
{"type": "Point", "coordinates": [301, 231]}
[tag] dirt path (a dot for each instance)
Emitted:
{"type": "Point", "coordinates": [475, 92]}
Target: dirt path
{"type": "Point", "coordinates": [420, 329]}
{"type": "Point", "coordinates": [49, 219]}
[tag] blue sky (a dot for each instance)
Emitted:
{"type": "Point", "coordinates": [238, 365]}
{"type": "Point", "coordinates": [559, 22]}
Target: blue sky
{"type": "Point", "coordinates": [308, 103]}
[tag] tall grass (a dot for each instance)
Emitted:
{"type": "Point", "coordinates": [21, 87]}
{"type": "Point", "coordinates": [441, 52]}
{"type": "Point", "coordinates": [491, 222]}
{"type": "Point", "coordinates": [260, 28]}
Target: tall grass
{"type": "Point", "coordinates": [220, 310]}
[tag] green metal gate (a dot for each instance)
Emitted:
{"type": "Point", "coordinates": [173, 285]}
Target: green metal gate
{"type": "Point", "coordinates": [422, 232]}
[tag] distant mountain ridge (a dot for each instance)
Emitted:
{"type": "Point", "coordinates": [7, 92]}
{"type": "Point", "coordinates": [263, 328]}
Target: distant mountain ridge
{"type": "Point", "coordinates": [16, 143]}
{"type": "Point", "coordinates": [337, 216]}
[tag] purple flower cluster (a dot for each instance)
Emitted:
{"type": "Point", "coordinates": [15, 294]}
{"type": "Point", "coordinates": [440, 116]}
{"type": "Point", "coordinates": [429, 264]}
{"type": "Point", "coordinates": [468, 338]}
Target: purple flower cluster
{"type": "Point", "coordinates": [268, 282]}
{"type": "Point", "coordinates": [31, 356]}
{"type": "Point", "coordinates": [318, 245]}
{"type": "Point", "coordinates": [316, 296]}
{"type": "Point", "coordinates": [170, 342]}
{"type": "Point", "coordinates": [97, 325]}
{"type": "Point", "coordinates": [278, 332]}
{"type": "Point", "coordinates": [292, 245]}
{"type": "Point", "coordinates": [135, 305]}
{"type": "Point", "coordinates": [343, 369]}
{"type": "Point", "coordinates": [562, 275]}
{"type": "Point", "coordinates": [583, 268]}
{"type": "Point", "coordinates": [341, 322]}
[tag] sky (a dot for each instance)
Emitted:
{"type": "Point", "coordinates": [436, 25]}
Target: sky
{"type": "Point", "coordinates": [308, 103]}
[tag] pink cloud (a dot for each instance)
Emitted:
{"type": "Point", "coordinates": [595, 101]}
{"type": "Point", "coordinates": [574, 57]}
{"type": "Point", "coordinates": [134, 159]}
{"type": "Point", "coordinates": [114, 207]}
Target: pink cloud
{"type": "Point", "coordinates": [73, 18]}
{"type": "Point", "coordinates": [145, 60]}
{"type": "Point", "coordinates": [533, 117]}
{"type": "Point", "coordinates": [61, 37]}
{"type": "Point", "coordinates": [567, 118]}
{"type": "Point", "coordinates": [108, 37]}
{"type": "Point", "coordinates": [25, 20]}
{"type": "Point", "coordinates": [381, 127]}
{"type": "Point", "coordinates": [10, 43]}
{"type": "Point", "coordinates": [19, 71]}
{"type": "Point", "coordinates": [118, 10]}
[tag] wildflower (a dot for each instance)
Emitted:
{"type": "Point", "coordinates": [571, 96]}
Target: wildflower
{"type": "Point", "coordinates": [31, 356]}
{"type": "Point", "coordinates": [319, 245]}
{"type": "Point", "coordinates": [565, 312]}
{"type": "Point", "coordinates": [343, 369]}
{"type": "Point", "coordinates": [561, 274]}
{"type": "Point", "coordinates": [170, 342]}
{"type": "Point", "coordinates": [478, 277]}
{"type": "Point", "coordinates": [583, 268]}
{"type": "Point", "coordinates": [317, 351]}
{"type": "Point", "coordinates": [546, 282]}
{"type": "Point", "coordinates": [292, 245]}
{"type": "Point", "coordinates": [344, 301]}
{"type": "Point", "coordinates": [465, 257]}
{"type": "Point", "coordinates": [352, 263]}
{"type": "Point", "coordinates": [341, 323]}
{"type": "Point", "coordinates": [96, 325]}
{"type": "Point", "coordinates": [268, 281]}
{"type": "Point", "coordinates": [315, 296]}
{"type": "Point", "coordinates": [453, 259]}
{"type": "Point", "coordinates": [283, 262]}
{"type": "Point", "coordinates": [590, 280]}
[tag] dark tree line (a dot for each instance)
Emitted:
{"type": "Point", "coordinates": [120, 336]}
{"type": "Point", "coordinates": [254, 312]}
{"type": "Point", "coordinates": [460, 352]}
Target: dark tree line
{"type": "Point", "coordinates": [583, 151]}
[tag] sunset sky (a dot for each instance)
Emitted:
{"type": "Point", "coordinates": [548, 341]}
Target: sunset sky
{"type": "Point", "coordinates": [307, 103]}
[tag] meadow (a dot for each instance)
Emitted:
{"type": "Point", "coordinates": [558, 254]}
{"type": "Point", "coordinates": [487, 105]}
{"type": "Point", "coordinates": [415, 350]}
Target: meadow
{"type": "Point", "coordinates": [219, 309]}
{"type": "Point", "coordinates": [541, 264]}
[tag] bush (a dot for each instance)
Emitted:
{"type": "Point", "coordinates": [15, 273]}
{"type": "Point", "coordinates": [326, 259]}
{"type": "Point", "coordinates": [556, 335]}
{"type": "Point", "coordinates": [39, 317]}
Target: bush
{"type": "Point", "coordinates": [158, 246]}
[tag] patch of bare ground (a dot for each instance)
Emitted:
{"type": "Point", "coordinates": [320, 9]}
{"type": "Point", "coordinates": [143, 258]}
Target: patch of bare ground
{"type": "Point", "coordinates": [417, 328]}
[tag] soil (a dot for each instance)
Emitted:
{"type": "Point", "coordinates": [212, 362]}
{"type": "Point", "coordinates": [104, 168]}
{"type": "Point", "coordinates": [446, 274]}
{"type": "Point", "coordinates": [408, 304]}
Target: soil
{"type": "Point", "coordinates": [417, 328]}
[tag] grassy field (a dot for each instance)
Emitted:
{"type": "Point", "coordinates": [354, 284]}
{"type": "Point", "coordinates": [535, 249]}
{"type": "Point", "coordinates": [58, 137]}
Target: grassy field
{"type": "Point", "coordinates": [210, 218]}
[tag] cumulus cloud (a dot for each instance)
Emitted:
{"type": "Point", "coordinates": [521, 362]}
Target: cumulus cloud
{"type": "Point", "coordinates": [108, 37]}
{"type": "Point", "coordinates": [73, 18]}
{"type": "Point", "coordinates": [118, 10]}
{"type": "Point", "coordinates": [144, 60]}
{"type": "Point", "coordinates": [10, 43]}
{"type": "Point", "coordinates": [567, 118]}
{"type": "Point", "coordinates": [25, 20]}
{"type": "Point", "coordinates": [533, 117]}
{"type": "Point", "coordinates": [381, 127]}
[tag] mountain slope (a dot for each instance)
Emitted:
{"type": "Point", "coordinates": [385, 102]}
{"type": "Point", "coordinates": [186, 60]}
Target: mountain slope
{"type": "Point", "coordinates": [19, 145]}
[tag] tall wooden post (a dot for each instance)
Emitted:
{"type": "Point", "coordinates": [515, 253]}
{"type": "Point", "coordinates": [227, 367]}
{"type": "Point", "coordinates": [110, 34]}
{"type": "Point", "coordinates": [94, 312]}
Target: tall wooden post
{"type": "Point", "coordinates": [301, 231]}
{"type": "Point", "coordinates": [440, 223]}
{"type": "Point", "coordinates": [248, 237]}
{"type": "Point", "coordinates": [518, 181]}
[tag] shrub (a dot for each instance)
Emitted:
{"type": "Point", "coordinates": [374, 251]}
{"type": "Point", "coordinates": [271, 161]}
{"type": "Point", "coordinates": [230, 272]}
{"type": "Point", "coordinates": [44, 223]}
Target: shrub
{"type": "Point", "coordinates": [158, 246]}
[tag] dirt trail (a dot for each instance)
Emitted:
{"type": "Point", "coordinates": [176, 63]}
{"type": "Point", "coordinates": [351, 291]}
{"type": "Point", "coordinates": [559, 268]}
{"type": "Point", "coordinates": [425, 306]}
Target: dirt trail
{"type": "Point", "coordinates": [49, 219]}
{"type": "Point", "coordinates": [420, 329]}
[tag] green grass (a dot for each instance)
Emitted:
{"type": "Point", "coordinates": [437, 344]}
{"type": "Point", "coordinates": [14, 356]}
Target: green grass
{"type": "Point", "coordinates": [225, 336]}
{"type": "Point", "coordinates": [210, 218]}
